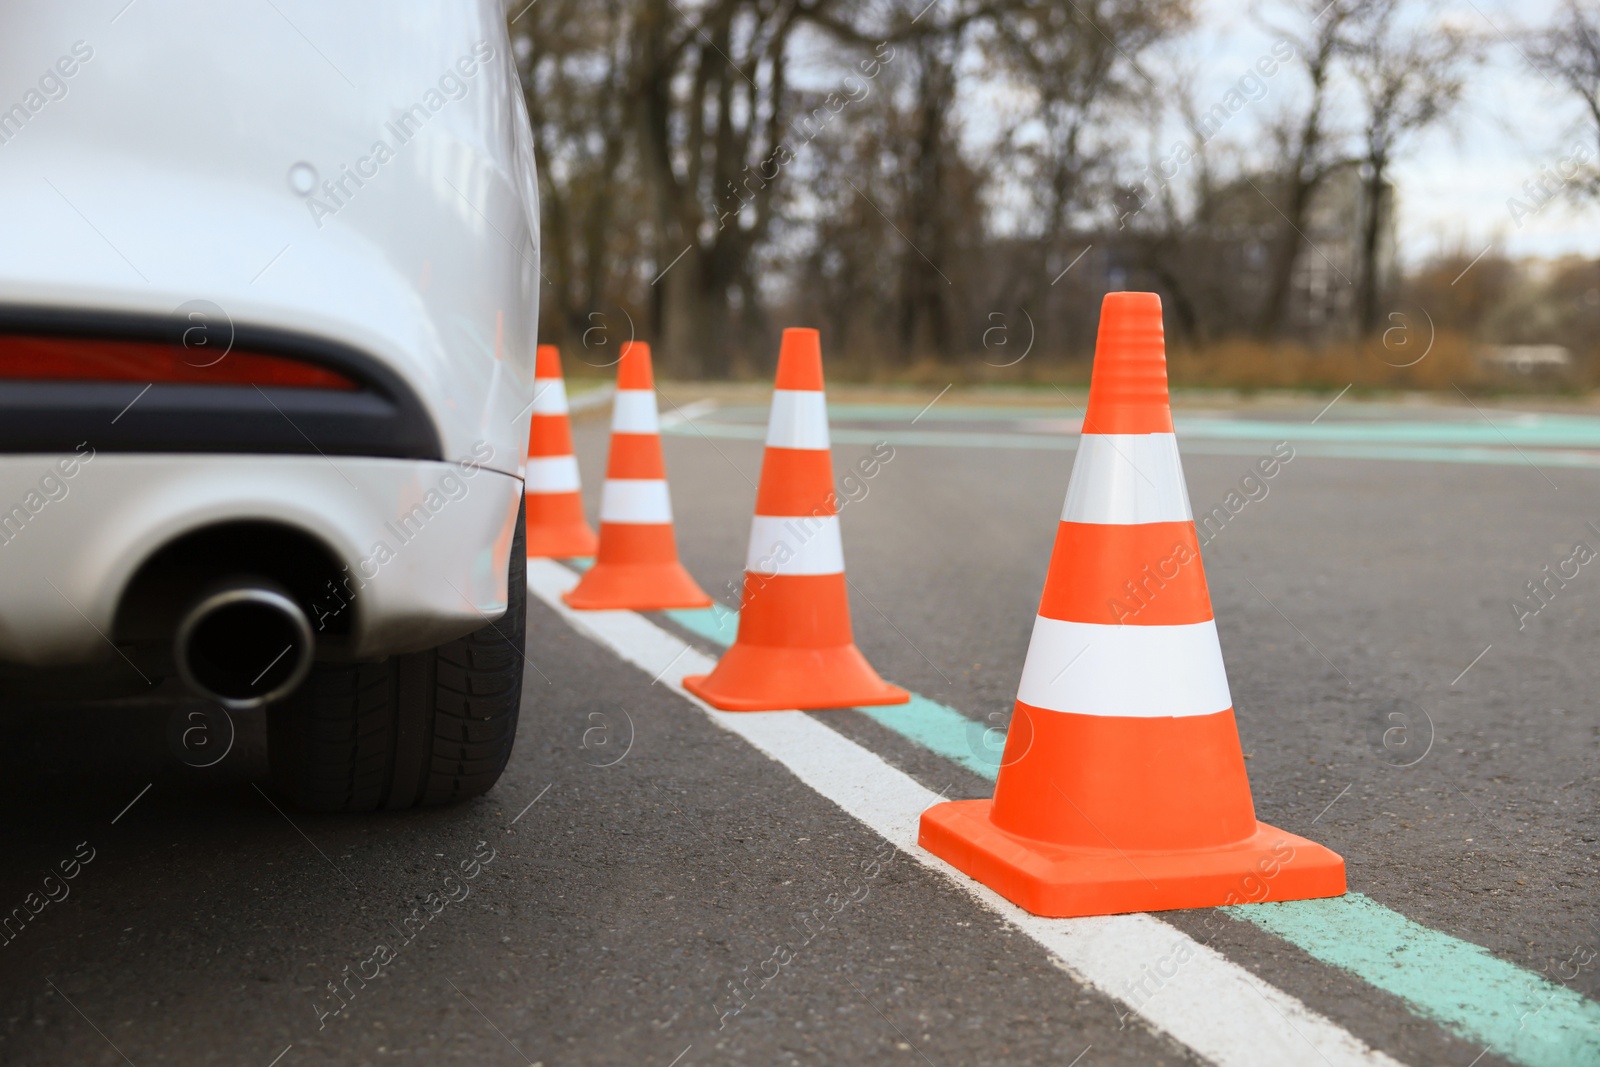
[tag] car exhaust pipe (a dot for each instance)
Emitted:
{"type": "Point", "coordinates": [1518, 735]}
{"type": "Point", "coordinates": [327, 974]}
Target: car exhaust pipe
{"type": "Point", "coordinates": [243, 644]}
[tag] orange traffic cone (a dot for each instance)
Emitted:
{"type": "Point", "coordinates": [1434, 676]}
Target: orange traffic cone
{"type": "Point", "coordinates": [637, 564]}
{"type": "Point", "coordinates": [795, 648]}
{"type": "Point", "coordinates": [1122, 786]}
{"type": "Point", "coordinates": [556, 526]}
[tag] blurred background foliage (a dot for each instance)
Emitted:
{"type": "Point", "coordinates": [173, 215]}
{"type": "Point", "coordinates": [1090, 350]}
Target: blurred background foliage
{"type": "Point", "coordinates": [942, 187]}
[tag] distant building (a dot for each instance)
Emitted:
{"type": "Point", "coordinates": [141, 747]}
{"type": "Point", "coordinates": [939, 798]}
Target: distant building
{"type": "Point", "coordinates": [1323, 301]}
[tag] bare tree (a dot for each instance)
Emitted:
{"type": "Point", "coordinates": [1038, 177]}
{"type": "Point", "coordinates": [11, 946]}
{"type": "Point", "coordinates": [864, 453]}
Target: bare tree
{"type": "Point", "coordinates": [574, 72]}
{"type": "Point", "coordinates": [1308, 149]}
{"type": "Point", "coordinates": [1411, 75]}
{"type": "Point", "coordinates": [719, 126]}
{"type": "Point", "coordinates": [711, 107]}
{"type": "Point", "coordinates": [924, 313]}
{"type": "Point", "coordinates": [892, 208]}
{"type": "Point", "coordinates": [1169, 214]}
{"type": "Point", "coordinates": [1080, 61]}
{"type": "Point", "coordinates": [1570, 48]}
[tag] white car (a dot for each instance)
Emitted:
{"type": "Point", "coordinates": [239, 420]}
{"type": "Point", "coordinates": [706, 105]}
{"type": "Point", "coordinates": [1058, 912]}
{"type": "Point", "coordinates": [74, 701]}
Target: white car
{"type": "Point", "coordinates": [268, 304]}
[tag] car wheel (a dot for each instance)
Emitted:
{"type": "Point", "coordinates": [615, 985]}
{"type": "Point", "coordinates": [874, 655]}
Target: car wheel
{"type": "Point", "coordinates": [423, 728]}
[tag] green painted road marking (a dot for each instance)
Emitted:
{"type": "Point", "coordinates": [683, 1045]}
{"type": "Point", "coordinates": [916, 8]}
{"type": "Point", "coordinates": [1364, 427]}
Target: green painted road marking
{"type": "Point", "coordinates": [718, 623]}
{"type": "Point", "coordinates": [943, 730]}
{"type": "Point", "coordinates": [1373, 424]}
{"type": "Point", "coordinates": [1520, 431]}
{"type": "Point", "coordinates": [1464, 988]}
{"type": "Point", "coordinates": [1460, 986]}
{"type": "Point", "coordinates": [1560, 440]}
{"type": "Point", "coordinates": [1505, 457]}
{"type": "Point", "coordinates": [939, 729]}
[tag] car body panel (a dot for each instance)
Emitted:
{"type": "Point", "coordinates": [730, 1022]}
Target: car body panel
{"type": "Point", "coordinates": [162, 173]}
{"type": "Point", "coordinates": [169, 155]}
{"type": "Point", "coordinates": [410, 532]}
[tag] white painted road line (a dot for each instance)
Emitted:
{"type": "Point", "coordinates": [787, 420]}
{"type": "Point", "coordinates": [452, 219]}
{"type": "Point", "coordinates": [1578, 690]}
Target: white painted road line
{"type": "Point", "coordinates": [1200, 998]}
{"type": "Point", "coordinates": [688, 413]}
{"type": "Point", "coordinates": [591, 398]}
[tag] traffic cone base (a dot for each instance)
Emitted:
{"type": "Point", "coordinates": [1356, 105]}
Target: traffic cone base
{"type": "Point", "coordinates": [1162, 782]}
{"type": "Point", "coordinates": [794, 649]}
{"type": "Point", "coordinates": [639, 587]}
{"type": "Point", "coordinates": [637, 569]}
{"type": "Point", "coordinates": [1069, 834]}
{"type": "Point", "coordinates": [557, 528]}
{"type": "Point", "coordinates": [815, 678]}
{"type": "Point", "coordinates": [1063, 881]}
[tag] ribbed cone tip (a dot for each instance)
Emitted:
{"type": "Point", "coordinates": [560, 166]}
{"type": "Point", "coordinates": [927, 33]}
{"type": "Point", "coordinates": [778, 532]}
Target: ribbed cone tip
{"type": "Point", "coordinates": [547, 363]}
{"type": "Point", "coordinates": [800, 360]}
{"type": "Point", "coordinates": [633, 368]}
{"type": "Point", "coordinates": [1128, 387]}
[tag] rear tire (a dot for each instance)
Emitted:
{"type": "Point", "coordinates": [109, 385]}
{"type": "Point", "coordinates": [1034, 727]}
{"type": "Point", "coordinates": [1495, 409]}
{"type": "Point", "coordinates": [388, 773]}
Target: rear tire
{"type": "Point", "coordinates": [423, 728]}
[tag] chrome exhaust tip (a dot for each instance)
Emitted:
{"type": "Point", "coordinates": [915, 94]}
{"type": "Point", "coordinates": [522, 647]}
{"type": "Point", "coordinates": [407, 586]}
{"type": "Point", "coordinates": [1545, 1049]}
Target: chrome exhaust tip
{"type": "Point", "coordinates": [244, 645]}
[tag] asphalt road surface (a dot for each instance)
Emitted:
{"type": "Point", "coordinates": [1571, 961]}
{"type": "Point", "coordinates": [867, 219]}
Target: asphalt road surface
{"type": "Point", "coordinates": [620, 897]}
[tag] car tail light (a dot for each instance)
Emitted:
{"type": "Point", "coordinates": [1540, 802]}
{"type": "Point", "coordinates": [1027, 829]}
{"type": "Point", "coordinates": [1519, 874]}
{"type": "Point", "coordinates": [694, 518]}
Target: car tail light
{"type": "Point", "coordinates": [34, 358]}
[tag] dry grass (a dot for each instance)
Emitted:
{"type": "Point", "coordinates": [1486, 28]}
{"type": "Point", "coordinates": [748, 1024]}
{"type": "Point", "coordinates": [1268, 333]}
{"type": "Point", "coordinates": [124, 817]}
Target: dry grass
{"type": "Point", "coordinates": [1447, 363]}
{"type": "Point", "coordinates": [1375, 366]}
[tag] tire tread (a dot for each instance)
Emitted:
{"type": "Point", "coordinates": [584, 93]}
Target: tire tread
{"type": "Point", "coordinates": [333, 743]}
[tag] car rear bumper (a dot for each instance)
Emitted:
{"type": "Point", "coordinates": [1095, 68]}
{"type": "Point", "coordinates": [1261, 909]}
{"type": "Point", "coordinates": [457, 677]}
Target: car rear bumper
{"type": "Point", "coordinates": [426, 543]}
